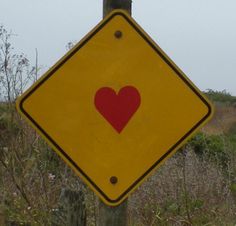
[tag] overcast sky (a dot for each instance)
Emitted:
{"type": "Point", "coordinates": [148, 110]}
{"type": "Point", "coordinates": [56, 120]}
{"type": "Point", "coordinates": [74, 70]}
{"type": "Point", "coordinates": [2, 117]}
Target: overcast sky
{"type": "Point", "coordinates": [198, 35]}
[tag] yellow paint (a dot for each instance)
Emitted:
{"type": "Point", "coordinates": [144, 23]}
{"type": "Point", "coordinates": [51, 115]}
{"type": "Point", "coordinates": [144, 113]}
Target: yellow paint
{"type": "Point", "coordinates": [62, 104]}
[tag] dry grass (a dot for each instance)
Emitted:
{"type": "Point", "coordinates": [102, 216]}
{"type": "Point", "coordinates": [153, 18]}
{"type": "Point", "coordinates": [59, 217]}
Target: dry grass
{"type": "Point", "coordinates": [189, 189]}
{"type": "Point", "coordinates": [224, 118]}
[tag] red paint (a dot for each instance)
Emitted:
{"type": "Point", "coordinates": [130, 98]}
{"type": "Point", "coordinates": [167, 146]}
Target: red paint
{"type": "Point", "coordinates": [119, 108]}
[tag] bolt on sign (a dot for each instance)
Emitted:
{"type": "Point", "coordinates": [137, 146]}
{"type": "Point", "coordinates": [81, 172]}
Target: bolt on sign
{"type": "Point", "coordinates": [115, 107]}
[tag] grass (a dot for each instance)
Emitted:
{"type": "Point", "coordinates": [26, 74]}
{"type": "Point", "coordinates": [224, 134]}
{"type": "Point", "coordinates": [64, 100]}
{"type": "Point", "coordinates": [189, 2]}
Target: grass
{"type": "Point", "coordinates": [197, 186]}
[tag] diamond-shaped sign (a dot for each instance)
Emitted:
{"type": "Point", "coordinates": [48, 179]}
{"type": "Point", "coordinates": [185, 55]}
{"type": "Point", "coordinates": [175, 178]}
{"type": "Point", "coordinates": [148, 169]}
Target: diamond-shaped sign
{"type": "Point", "coordinates": [115, 107]}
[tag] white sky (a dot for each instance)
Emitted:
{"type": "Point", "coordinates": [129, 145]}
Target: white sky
{"type": "Point", "coordinates": [199, 35]}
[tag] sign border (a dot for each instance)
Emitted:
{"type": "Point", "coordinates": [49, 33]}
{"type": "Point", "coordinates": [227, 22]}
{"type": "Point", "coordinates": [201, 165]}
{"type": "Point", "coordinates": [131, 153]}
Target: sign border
{"type": "Point", "coordinates": [155, 48]}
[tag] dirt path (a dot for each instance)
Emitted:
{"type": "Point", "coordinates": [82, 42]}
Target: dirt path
{"type": "Point", "coordinates": [223, 120]}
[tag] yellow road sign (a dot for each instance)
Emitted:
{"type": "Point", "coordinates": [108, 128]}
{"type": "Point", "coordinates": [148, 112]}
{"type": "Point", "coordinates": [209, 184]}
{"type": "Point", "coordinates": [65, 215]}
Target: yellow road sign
{"type": "Point", "coordinates": [115, 107]}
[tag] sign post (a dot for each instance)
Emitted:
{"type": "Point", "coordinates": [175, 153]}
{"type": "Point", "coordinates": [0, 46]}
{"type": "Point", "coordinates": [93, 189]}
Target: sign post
{"type": "Point", "coordinates": [114, 216]}
{"type": "Point", "coordinates": [115, 107]}
{"type": "Point", "coordinates": [109, 5]}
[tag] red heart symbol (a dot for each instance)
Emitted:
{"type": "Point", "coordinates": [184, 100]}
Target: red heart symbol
{"type": "Point", "coordinates": [117, 109]}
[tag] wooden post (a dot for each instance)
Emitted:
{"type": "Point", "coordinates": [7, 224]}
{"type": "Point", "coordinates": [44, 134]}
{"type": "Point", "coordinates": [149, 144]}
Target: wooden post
{"type": "Point", "coordinates": [112, 216]}
{"type": "Point", "coordinates": [2, 218]}
{"type": "Point", "coordinates": [109, 5]}
{"type": "Point", "coordinates": [107, 215]}
{"type": "Point", "coordinates": [76, 215]}
{"type": "Point", "coordinates": [71, 209]}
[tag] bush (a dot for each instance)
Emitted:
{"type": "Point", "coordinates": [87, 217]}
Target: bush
{"type": "Point", "coordinates": [221, 96]}
{"type": "Point", "coordinates": [215, 147]}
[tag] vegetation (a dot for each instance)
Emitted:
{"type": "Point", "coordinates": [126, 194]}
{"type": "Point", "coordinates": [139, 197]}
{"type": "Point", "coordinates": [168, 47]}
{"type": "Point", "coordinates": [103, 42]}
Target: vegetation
{"type": "Point", "coordinates": [197, 186]}
{"type": "Point", "coordinates": [222, 97]}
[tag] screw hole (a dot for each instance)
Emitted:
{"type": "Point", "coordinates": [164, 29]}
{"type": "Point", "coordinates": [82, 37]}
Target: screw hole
{"type": "Point", "coordinates": [118, 34]}
{"type": "Point", "coordinates": [114, 180]}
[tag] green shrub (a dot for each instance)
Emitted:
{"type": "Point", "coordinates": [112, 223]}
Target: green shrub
{"type": "Point", "coordinates": [215, 147]}
{"type": "Point", "coordinates": [221, 96]}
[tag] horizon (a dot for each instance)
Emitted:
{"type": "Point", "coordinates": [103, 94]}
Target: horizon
{"type": "Point", "coordinates": [199, 41]}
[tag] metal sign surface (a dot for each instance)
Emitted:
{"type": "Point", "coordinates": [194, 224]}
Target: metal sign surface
{"type": "Point", "coordinates": [115, 107]}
